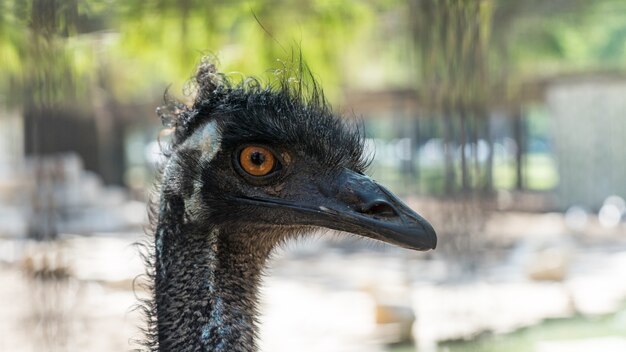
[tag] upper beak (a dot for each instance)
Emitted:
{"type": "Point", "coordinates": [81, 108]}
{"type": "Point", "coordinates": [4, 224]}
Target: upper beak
{"type": "Point", "coordinates": [355, 203]}
{"type": "Point", "coordinates": [358, 204]}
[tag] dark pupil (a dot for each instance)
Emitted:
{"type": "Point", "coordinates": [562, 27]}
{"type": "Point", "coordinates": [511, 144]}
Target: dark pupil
{"type": "Point", "coordinates": [257, 158]}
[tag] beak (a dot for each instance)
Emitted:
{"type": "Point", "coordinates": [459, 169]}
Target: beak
{"type": "Point", "coordinates": [358, 204]}
{"type": "Point", "coordinates": [355, 203]}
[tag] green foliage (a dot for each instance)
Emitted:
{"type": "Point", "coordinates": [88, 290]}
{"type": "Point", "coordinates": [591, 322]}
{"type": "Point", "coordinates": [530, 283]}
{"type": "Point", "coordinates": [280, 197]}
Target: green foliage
{"type": "Point", "coordinates": [169, 38]}
{"type": "Point", "coordinates": [576, 36]}
{"type": "Point", "coordinates": [134, 48]}
{"type": "Point", "coordinates": [60, 50]}
{"type": "Point", "coordinates": [526, 340]}
{"type": "Point", "coordinates": [44, 60]}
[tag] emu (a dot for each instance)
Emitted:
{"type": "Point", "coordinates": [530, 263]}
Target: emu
{"type": "Point", "coordinates": [249, 166]}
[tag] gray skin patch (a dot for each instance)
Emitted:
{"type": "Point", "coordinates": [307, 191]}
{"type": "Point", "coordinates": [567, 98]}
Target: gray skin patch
{"type": "Point", "coordinates": [207, 139]}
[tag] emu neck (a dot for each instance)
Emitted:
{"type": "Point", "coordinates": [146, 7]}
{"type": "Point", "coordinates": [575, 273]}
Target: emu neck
{"type": "Point", "coordinates": [206, 289]}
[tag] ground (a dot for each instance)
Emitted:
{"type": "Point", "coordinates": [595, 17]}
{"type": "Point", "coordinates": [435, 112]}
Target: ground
{"type": "Point", "coordinates": [343, 295]}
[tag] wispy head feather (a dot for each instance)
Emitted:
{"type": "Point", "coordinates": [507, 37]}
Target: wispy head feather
{"type": "Point", "coordinates": [292, 92]}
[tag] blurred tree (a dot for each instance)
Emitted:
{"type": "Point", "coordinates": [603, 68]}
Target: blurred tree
{"type": "Point", "coordinates": [45, 56]}
{"type": "Point", "coordinates": [474, 56]}
{"type": "Point", "coordinates": [452, 38]}
{"type": "Point", "coordinates": [169, 37]}
{"type": "Point", "coordinates": [144, 44]}
{"type": "Point", "coordinates": [470, 56]}
{"type": "Point", "coordinates": [40, 75]}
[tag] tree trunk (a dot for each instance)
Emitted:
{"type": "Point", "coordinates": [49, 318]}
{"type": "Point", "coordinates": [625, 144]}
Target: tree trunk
{"type": "Point", "coordinates": [464, 171]}
{"type": "Point", "coordinates": [489, 166]}
{"type": "Point", "coordinates": [519, 136]}
{"type": "Point", "coordinates": [448, 153]}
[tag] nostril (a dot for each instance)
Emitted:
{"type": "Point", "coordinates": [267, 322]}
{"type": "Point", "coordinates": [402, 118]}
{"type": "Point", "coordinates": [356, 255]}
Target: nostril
{"type": "Point", "coordinates": [379, 208]}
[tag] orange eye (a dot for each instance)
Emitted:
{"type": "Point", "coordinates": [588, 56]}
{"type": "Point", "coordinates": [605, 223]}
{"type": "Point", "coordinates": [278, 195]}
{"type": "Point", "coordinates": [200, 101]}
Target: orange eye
{"type": "Point", "coordinates": [257, 161]}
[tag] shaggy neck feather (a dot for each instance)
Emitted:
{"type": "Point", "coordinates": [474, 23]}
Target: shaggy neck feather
{"type": "Point", "coordinates": [205, 286]}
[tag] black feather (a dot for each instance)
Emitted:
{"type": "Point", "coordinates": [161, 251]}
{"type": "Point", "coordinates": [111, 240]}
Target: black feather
{"type": "Point", "coordinates": [187, 255]}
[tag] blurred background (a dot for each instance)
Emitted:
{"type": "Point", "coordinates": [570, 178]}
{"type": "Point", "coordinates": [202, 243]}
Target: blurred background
{"type": "Point", "coordinates": [501, 121]}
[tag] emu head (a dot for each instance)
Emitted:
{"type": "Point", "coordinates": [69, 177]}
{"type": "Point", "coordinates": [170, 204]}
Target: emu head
{"type": "Point", "coordinates": [270, 161]}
